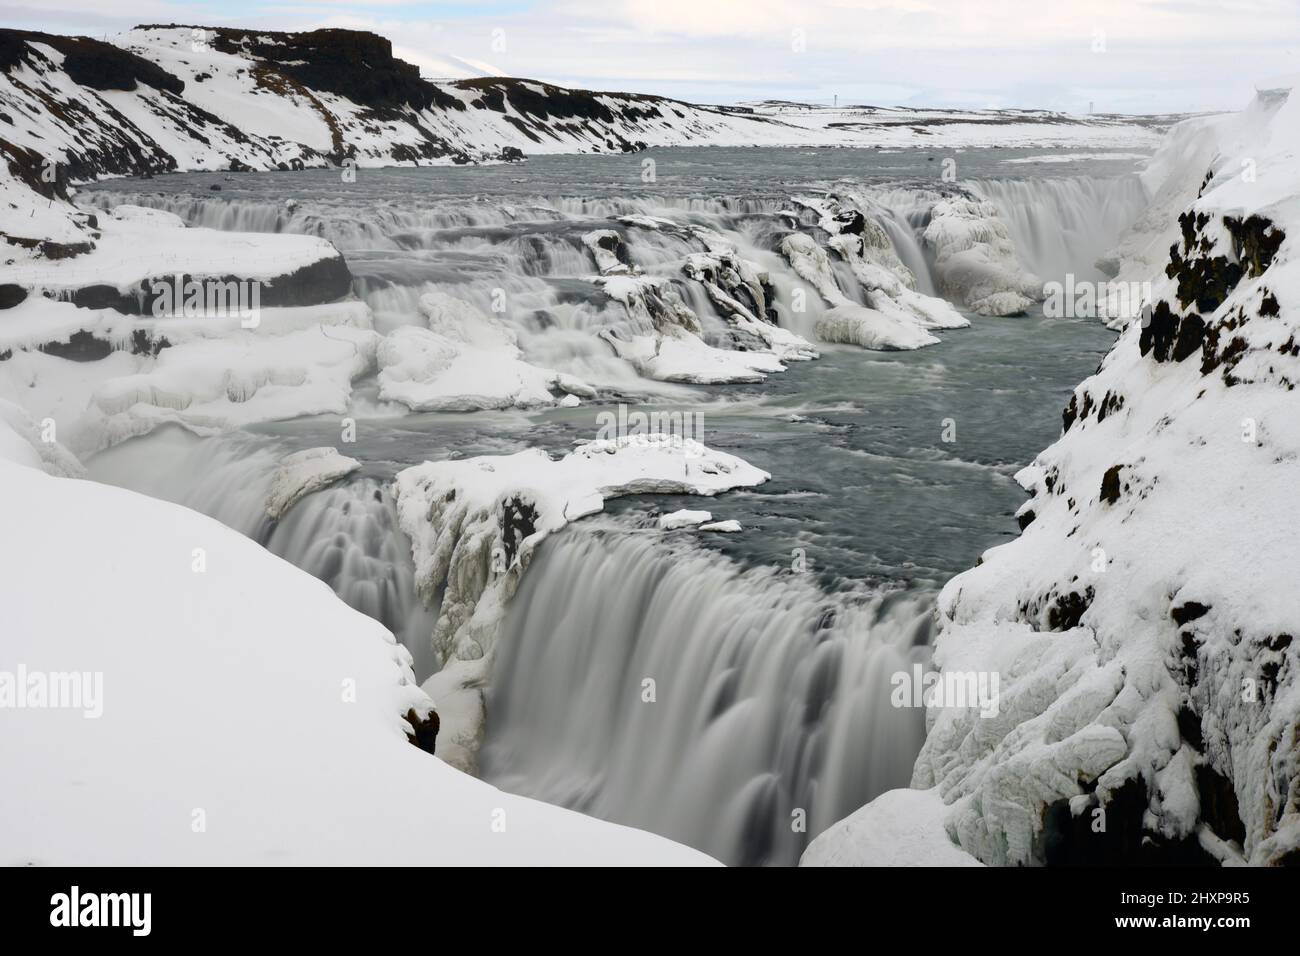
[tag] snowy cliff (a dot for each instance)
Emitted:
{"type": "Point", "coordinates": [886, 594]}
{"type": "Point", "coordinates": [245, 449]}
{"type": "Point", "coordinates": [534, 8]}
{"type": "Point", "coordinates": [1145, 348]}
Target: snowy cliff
{"type": "Point", "coordinates": [219, 762]}
{"type": "Point", "coordinates": [1142, 624]}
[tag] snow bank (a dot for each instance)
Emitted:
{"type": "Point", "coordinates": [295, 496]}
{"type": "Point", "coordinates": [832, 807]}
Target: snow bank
{"type": "Point", "coordinates": [898, 828]}
{"type": "Point", "coordinates": [302, 733]}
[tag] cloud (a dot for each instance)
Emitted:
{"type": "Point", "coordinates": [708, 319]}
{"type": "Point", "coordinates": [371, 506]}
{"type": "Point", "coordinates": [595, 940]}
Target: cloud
{"type": "Point", "coordinates": [1135, 55]}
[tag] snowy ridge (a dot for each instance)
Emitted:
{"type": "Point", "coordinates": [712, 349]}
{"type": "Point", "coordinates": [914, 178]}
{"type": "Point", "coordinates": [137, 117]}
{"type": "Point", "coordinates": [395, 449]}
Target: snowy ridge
{"type": "Point", "coordinates": [1143, 622]}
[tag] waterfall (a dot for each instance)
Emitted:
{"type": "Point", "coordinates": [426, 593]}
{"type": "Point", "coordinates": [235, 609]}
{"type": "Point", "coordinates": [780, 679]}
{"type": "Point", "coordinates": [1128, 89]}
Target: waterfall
{"type": "Point", "coordinates": [1064, 225]}
{"type": "Point", "coordinates": [771, 698]}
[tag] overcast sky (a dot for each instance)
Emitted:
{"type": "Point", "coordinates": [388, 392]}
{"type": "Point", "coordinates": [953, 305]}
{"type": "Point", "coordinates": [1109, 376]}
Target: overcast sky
{"type": "Point", "coordinates": [1121, 55]}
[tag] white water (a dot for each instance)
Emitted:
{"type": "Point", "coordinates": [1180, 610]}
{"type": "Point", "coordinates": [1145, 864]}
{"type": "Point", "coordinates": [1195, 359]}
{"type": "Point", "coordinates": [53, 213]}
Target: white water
{"type": "Point", "coordinates": [771, 698]}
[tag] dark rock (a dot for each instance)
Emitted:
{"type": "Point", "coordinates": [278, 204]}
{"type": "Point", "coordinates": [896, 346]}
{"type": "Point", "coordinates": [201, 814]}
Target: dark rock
{"type": "Point", "coordinates": [424, 732]}
{"type": "Point", "coordinates": [11, 295]}
{"type": "Point", "coordinates": [1190, 611]}
{"type": "Point", "coordinates": [1110, 484]}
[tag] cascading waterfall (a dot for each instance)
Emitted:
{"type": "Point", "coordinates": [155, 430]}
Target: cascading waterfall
{"type": "Point", "coordinates": [771, 699]}
{"type": "Point", "coordinates": [1064, 225]}
{"type": "Point", "coordinates": [771, 716]}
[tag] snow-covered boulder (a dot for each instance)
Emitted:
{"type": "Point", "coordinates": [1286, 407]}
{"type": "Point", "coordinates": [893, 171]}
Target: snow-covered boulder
{"type": "Point", "coordinates": [683, 519]}
{"type": "Point", "coordinates": [609, 251]}
{"type": "Point", "coordinates": [302, 473]}
{"type": "Point", "coordinates": [975, 258]}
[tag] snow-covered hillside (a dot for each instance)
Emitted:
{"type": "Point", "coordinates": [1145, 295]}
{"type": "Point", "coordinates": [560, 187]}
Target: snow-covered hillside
{"type": "Point", "coordinates": [205, 759]}
{"type": "Point", "coordinates": [1143, 622]}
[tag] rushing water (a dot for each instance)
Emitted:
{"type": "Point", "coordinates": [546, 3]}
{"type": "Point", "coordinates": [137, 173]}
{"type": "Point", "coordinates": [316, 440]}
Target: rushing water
{"type": "Point", "coordinates": [770, 651]}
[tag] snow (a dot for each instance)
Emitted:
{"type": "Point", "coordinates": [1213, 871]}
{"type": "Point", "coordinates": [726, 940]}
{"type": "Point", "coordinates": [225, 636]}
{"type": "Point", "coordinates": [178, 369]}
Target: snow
{"type": "Point", "coordinates": [975, 258]}
{"type": "Point", "coordinates": [303, 472]}
{"type": "Point", "coordinates": [249, 376]}
{"type": "Point", "coordinates": [465, 361]}
{"type": "Point", "coordinates": [135, 246]}
{"type": "Point", "coordinates": [683, 519]}
{"type": "Point", "coordinates": [679, 356]}
{"type": "Point", "coordinates": [898, 828]}
{"type": "Point", "coordinates": [730, 526]}
{"type": "Point", "coordinates": [429, 372]}
{"type": "Point", "coordinates": [301, 735]}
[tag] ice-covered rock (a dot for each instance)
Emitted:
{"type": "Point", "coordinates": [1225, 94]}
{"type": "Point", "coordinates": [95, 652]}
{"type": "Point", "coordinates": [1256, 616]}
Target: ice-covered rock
{"type": "Point", "coordinates": [730, 526]}
{"type": "Point", "coordinates": [609, 251]}
{"type": "Point", "coordinates": [303, 472]}
{"type": "Point", "coordinates": [975, 258]}
{"type": "Point", "coordinates": [683, 519]}
{"type": "Point", "coordinates": [465, 360]}
{"type": "Point", "coordinates": [847, 322]}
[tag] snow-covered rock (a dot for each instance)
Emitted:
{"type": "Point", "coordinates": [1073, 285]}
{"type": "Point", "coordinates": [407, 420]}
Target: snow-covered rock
{"type": "Point", "coordinates": [975, 258]}
{"type": "Point", "coordinates": [683, 519]}
{"type": "Point", "coordinates": [730, 526]}
{"type": "Point", "coordinates": [609, 251]}
{"type": "Point", "coordinates": [302, 473]}
{"type": "Point", "coordinates": [847, 322]}
{"type": "Point", "coordinates": [305, 728]}
{"type": "Point", "coordinates": [856, 237]}
{"type": "Point", "coordinates": [679, 356]}
{"type": "Point", "coordinates": [465, 361]}
{"type": "Point", "coordinates": [211, 385]}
